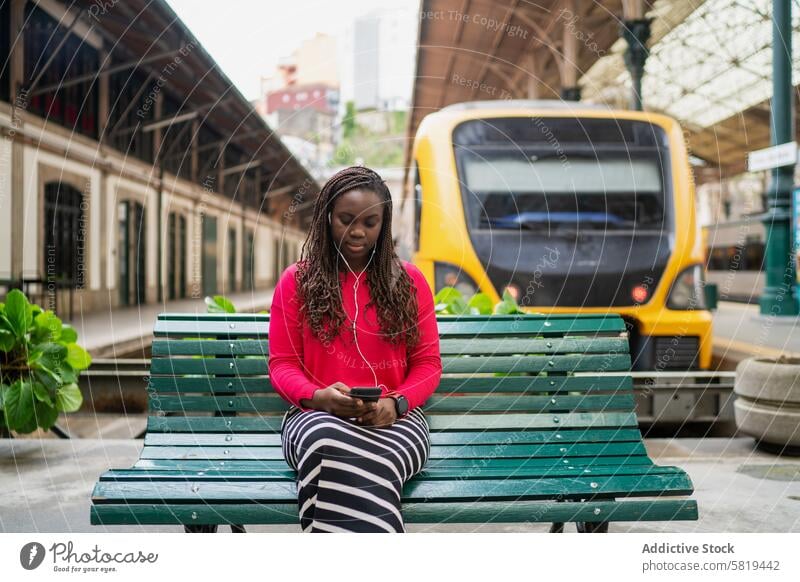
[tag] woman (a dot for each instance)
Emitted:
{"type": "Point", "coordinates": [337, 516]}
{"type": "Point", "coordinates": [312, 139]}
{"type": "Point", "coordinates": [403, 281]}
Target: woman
{"type": "Point", "coordinates": [350, 314]}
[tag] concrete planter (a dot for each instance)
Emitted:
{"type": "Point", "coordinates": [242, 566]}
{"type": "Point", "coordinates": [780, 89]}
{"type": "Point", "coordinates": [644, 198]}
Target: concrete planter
{"type": "Point", "coordinates": [767, 404]}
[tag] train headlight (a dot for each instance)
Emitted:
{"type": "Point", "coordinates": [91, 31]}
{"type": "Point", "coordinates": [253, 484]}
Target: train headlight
{"type": "Point", "coordinates": [639, 294]}
{"type": "Point", "coordinates": [687, 290]}
{"type": "Point", "coordinates": [449, 275]}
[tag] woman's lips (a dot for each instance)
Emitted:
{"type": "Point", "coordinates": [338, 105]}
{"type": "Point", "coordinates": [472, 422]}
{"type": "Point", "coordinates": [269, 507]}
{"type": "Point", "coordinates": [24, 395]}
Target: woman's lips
{"type": "Point", "coordinates": [355, 247]}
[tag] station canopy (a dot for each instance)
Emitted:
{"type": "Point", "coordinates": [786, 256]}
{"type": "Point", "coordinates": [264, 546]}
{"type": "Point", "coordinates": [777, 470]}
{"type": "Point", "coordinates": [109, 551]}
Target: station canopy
{"type": "Point", "coordinates": [710, 65]}
{"type": "Point", "coordinates": [148, 36]}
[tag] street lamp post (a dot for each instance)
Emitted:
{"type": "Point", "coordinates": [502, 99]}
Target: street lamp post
{"type": "Point", "coordinates": [779, 296]}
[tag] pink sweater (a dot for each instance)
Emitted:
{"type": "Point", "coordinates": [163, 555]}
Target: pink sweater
{"type": "Point", "coordinates": [299, 363]}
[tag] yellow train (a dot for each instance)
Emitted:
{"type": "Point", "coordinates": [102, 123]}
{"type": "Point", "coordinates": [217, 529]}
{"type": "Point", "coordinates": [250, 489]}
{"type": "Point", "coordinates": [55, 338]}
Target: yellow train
{"type": "Point", "coordinates": [570, 208]}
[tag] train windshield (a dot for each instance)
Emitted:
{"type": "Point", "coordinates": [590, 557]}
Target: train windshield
{"type": "Point", "coordinates": [581, 207]}
{"type": "Point", "coordinates": [563, 174]}
{"type": "Point", "coordinates": [530, 191]}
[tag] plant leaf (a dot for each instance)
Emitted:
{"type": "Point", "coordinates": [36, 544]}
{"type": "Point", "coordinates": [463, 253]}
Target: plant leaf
{"type": "Point", "coordinates": [49, 358]}
{"type": "Point", "coordinates": [68, 398]}
{"type": "Point", "coordinates": [68, 334]}
{"type": "Point", "coordinates": [45, 414]}
{"type": "Point", "coordinates": [3, 389]}
{"type": "Point", "coordinates": [453, 299]}
{"type": "Point", "coordinates": [219, 304]}
{"type": "Point", "coordinates": [508, 305]}
{"type": "Point", "coordinates": [41, 393]}
{"type": "Point", "coordinates": [18, 406]}
{"type": "Point", "coordinates": [78, 358]}
{"type": "Point", "coordinates": [46, 327]}
{"type": "Point", "coordinates": [482, 303]}
{"type": "Point", "coordinates": [7, 339]}
{"type": "Point", "coordinates": [18, 313]}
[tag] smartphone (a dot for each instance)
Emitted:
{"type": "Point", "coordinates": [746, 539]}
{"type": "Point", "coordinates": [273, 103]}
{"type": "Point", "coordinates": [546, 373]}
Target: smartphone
{"type": "Point", "coordinates": [367, 394]}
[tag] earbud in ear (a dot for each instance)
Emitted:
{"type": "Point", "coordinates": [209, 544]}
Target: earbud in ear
{"type": "Point", "coordinates": [329, 218]}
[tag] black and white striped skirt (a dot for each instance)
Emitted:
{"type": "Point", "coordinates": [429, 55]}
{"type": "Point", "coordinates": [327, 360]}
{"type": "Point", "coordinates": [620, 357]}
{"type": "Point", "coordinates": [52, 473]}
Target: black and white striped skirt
{"type": "Point", "coordinates": [350, 477]}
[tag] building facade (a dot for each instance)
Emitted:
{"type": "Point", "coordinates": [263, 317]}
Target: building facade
{"type": "Point", "coordinates": [122, 180]}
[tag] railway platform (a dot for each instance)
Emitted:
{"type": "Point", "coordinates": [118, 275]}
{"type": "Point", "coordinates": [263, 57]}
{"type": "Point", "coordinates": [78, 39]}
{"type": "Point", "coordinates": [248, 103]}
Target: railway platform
{"type": "Point", "coordinates": [741, 332]}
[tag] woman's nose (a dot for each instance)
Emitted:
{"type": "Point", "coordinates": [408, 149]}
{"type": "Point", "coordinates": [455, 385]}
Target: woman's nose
{"type": "Point", "coordinates": [357, 232]}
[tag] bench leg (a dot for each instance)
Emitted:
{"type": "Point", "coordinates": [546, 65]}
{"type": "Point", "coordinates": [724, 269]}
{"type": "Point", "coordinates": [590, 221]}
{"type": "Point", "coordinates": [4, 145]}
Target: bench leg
{"type": "Point", "coordinates": [237, 528]}
{"type": "Point", "coordinates": [200, 528]}
{"type": "Point", "coordinates": [592, 526]}
{"type": "Point", "coordinates": [557, 527]}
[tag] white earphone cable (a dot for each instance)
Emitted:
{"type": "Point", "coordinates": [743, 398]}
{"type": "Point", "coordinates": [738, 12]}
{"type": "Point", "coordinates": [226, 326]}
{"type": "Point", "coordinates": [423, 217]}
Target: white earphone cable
{"type": "Point", "coordinates": [355, 300]}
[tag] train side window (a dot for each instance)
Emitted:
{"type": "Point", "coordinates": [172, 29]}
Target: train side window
{"type": "Point", "coordinates": [417, 206]}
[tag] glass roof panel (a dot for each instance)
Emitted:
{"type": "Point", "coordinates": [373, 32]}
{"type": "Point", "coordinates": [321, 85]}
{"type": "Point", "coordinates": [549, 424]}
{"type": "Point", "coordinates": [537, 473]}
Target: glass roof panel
{"type": "Point", "coordinates": [716, 63]}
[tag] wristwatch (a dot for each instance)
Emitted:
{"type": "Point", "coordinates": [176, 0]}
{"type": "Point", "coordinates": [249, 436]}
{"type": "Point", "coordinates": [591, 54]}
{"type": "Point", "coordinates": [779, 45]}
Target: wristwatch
{"type": "Point", "coordinates": [400, 404]}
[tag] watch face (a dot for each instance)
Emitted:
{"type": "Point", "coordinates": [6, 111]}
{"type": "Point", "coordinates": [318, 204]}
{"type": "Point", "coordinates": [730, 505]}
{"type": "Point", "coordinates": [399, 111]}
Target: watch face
{"type": "Point", "coordinates": [401, 404]}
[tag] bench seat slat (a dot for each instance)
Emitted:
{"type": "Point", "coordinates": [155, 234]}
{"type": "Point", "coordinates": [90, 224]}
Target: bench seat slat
{"type": "Point", "coordinates": [286, 473]}
{"type": "Point", "coordinates": [437, 438]}
{"type": "Point", "coordinates": [437, 451]}
{"type": "Point", "coordinates": [430, 512]}
{"type": "Point", "coordinates": [274, 464]}
{"type": "Point", "coordinates": [414, 490]}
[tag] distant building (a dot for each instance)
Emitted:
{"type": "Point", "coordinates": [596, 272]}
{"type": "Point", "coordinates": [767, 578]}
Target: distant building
{"type": "Point", "coordinates": [313, 62]}
{"type": "Point", "coordinates": [377, 56]}
{"type": "Point", "coordinates": [301, 100]}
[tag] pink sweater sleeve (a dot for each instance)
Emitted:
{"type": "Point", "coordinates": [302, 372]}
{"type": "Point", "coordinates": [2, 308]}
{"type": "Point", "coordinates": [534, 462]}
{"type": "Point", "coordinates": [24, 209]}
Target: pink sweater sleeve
{"type": "Point", "coordinates": [424, 359]}
{"type": "Point", "coordinates": [286, 370]}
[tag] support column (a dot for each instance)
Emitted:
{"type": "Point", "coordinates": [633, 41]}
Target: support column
{"type": "Point", "coordinates": [635, 29]}
{"type": "Point", "coordinates": [779, 296]}
{"type": "Point", "coordinates": [158, 148]}
{"type": "Point", "coordinates": [19, 104]}
{"type": "Point", "coordinates": [103, 111]}
{"type": "Point", "coordinates": [194, 167]}
{"type": "Point", "coordinates": [532, 78]}
{"type": "Point", "coordinates": [569, 69]}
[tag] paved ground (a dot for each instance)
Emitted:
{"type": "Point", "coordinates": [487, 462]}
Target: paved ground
{"type": "Point", "coordinates": [46, 486]}
{"type": "Point", "coordinates": [123, 331]}
{"type": "Point", "coordinates": [740, 331]}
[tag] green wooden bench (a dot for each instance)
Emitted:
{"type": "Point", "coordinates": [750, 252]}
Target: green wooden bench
{"type": "Point", "coordinates": [524, 428]}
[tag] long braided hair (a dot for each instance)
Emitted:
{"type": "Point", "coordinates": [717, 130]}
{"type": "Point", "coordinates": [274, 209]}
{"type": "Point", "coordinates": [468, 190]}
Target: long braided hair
{"type": "Point", "coordinates": [392, 291]}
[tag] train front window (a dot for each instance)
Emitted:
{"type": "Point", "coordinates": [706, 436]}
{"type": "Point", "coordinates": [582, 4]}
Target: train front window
{"type": "Point", "coordinates": [570, 173]}
{"type": "Point", "coordinates": [525, 190]}
{"type": "Point", "coordinates": [570, 211]}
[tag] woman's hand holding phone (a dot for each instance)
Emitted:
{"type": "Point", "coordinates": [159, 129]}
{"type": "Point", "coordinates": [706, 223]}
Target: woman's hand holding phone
{"type": "Point", "coordinates": [336, 400]}
{"type": "Point", "coordinates": [385, 414]}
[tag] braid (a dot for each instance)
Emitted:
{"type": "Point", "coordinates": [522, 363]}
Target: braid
{"type": "Point", "coordinates": [317, 274]}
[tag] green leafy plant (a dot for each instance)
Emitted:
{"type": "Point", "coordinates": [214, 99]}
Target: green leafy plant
{"type": "Point", "coordinates": [40, 361]}
{"type": "Point", "coordinates": [450, 301]}
{"type": "Point", "coordinates": [219, 304]}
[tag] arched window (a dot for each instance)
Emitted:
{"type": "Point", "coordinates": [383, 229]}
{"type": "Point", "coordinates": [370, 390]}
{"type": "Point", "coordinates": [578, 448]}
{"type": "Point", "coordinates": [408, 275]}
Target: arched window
{"type": "Point", "coordinates": [64, 235]}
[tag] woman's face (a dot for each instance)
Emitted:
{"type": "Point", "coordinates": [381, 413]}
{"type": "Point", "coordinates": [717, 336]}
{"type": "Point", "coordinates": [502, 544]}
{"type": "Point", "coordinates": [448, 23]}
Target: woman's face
{"type": "Point", "coordinates": [356, 222]}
